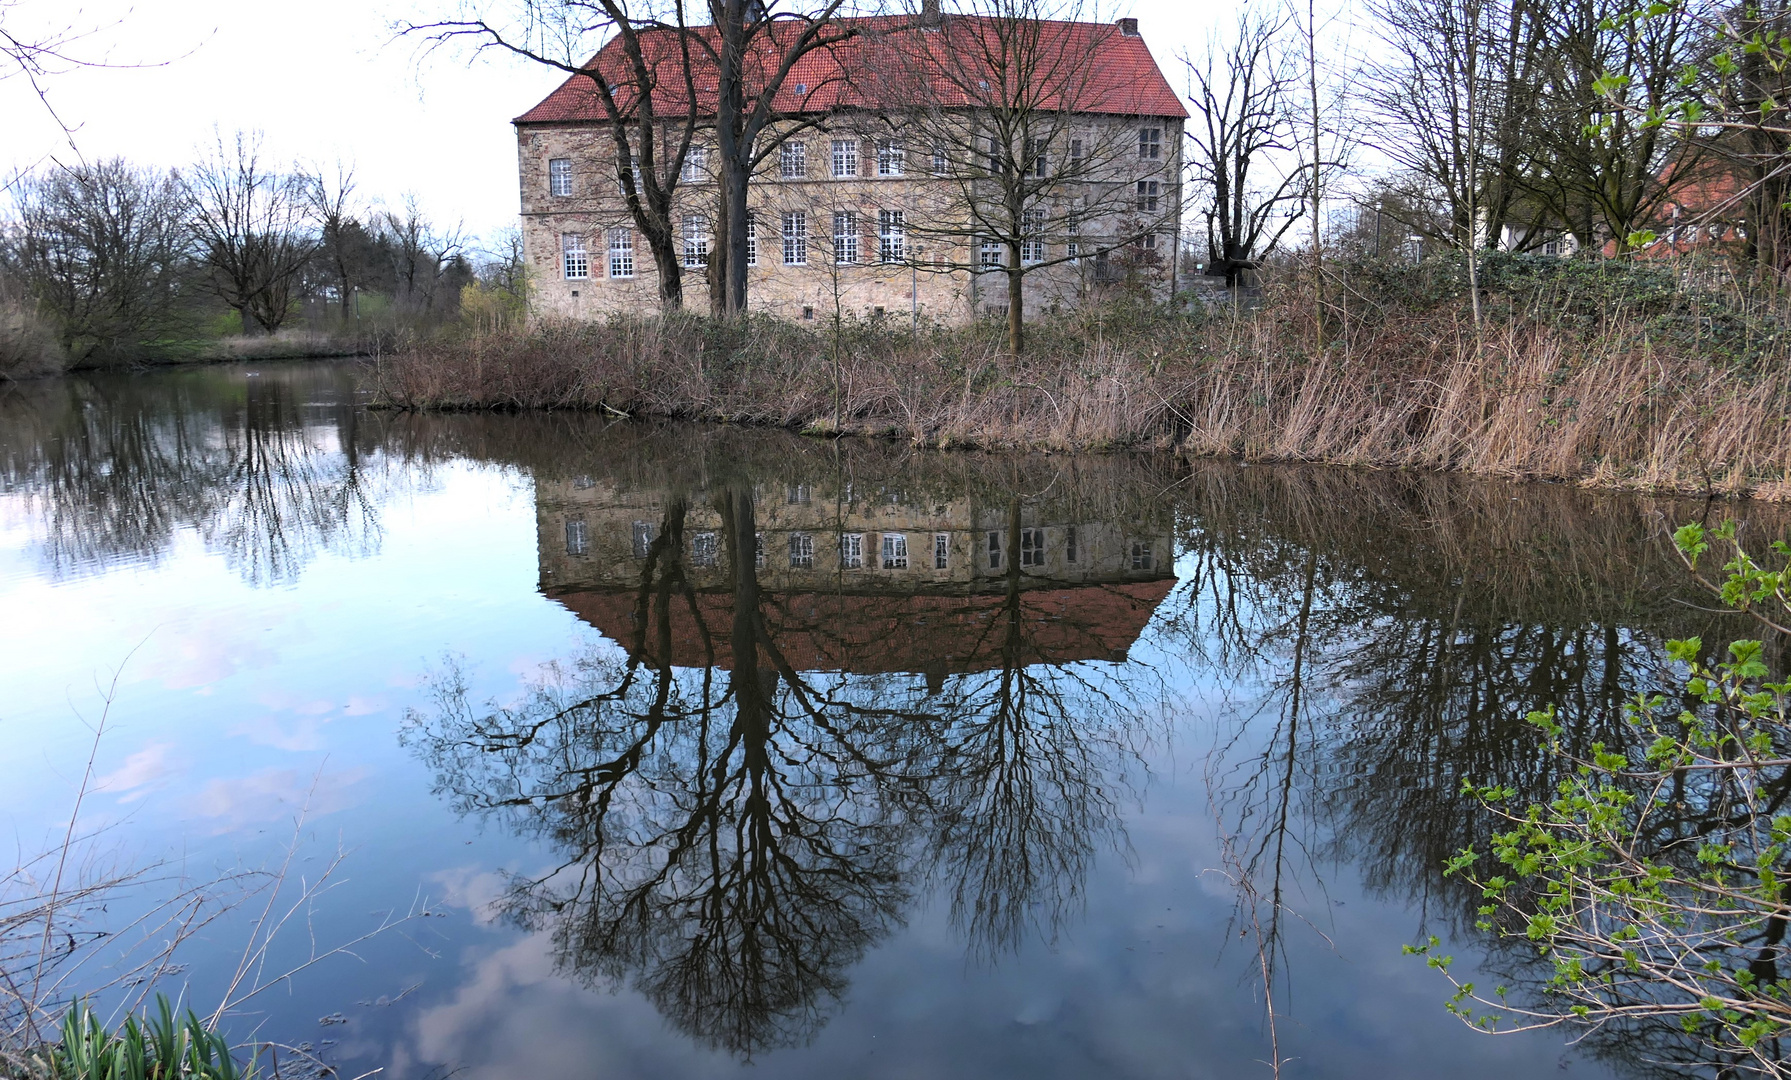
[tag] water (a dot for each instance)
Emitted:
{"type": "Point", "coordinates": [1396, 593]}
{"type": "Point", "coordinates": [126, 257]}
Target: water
{"type": "Point", "coordinates": [982, 814]}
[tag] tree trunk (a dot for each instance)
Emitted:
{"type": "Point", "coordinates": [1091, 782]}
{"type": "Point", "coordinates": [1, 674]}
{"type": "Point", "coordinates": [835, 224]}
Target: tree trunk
{"type": "Point", "coordinates": [1016, 305]}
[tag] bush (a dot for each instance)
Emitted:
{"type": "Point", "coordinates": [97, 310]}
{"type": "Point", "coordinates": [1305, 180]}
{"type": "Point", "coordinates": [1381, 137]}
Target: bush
{"type": "Point", "coordinates": [1653, 886]}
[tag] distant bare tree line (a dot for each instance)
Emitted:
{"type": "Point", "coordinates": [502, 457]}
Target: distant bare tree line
{"type": "Point", "coordinates": [120, 260]}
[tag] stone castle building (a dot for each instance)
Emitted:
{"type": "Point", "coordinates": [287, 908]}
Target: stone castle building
{"type": "Point", "coordinates": [867, 205]}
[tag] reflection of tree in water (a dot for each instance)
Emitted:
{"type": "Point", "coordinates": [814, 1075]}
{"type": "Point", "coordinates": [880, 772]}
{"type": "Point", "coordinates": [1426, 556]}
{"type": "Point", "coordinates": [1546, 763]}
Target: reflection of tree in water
{"type": "Point", "coordinates": [736, 836]}
{"type": "Point", "coordinates": [1387, 641]}
{"type": "Point", "coordinates": [116, 467]}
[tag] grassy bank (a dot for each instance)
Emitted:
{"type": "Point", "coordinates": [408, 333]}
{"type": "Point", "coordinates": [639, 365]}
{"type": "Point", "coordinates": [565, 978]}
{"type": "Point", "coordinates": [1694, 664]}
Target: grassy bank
{"type": "Point", "coordinates": [1608, 375]}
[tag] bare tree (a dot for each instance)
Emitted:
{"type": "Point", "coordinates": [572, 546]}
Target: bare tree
{"type": "Point", "coordinates": [101, 249]}
{"type": "Point", "coordinates": [252, 228]}
{"type": "Point", "coordinates": [1243, 119]}
{"type": "Point", "coordinates": [1039, 165]}
{"type": "Point", "coordinates": [332, 208]}
{"type": "Point", "coordinates": [641, 83]}
{"type": "Point", "coordinates": [421, 252]}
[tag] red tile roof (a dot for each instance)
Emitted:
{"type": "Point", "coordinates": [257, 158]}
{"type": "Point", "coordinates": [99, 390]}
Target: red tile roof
{"type": "Point", "coordinates": [884, 63]}
{"type": "Point", "coordinates": [900, 633]}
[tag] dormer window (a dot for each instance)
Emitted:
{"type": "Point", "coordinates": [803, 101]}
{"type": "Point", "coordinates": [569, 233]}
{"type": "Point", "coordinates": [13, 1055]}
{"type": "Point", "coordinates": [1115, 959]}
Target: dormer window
{"type": "Point", "coordinates": [801, 89]}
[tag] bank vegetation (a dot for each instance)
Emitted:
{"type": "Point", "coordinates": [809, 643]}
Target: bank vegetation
{"type": "Point", "coordinates": [1609, 374]}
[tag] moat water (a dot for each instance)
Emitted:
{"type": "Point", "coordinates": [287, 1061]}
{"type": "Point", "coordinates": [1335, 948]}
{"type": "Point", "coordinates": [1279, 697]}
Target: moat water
{"type": "Point", "coordinates": [715, 752]}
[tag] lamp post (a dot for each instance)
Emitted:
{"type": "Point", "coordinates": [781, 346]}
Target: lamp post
{"type": "Point", "coordinates": [914, 289]}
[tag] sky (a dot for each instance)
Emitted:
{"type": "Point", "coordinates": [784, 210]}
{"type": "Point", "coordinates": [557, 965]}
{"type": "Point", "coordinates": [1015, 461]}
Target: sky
{"type": "Point", "coordinates": [327, 81]}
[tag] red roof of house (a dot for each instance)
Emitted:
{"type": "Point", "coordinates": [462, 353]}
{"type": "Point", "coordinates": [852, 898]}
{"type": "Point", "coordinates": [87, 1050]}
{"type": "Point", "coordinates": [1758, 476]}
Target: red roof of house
{"type": "Point", "coordinates": [890, 633]}
{"type": "Point", "coordinates": [889, 62]}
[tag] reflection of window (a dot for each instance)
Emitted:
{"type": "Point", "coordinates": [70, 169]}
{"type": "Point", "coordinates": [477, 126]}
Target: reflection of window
{"type": "Point", "coordinates": [802, 551]}
{"type": "Point", "coordinates": [994, 551]}
{"type": "Point", "coordinates": [1141, 555]}
{"type": "Point", "coordinates": [559, 176]}
{"type": "Point", "coordinates": [1069, 544]}
{"type": "Point", "coordinates": [578, 537]}
{"type": "Point", "coordinates": [797, 494]}
{"type": "Point", "coordinates": [758, 550]}
{"type": "Point", "coordinates": [1032, 547]}
{"type": "Point", "coordinates": [583, 483]}
{"type": "Point", "coordinates": [702, 549]}
{"type": "Point", "coordinates": [895, 551]}
{"type": "Point", "coordinates": [941, 550]}
{"type": "Point", "coordinates": [643, 538]}
{"type": "Point", "coordinates": [851, 551]}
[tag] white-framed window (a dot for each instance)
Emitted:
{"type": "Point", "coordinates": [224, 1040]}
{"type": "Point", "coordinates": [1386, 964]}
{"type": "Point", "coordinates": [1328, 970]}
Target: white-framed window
{"type": "Point", "coordinates": [795, 238]}
{"type": "Point", "coordinates": [1038, 161]}
{"type": "Point", "coordinates": [575, 261]}
{"type": "Point", "coordinates": [1148, 192]}
{"type": "Point", "coordinates": [994, 551]}
{"type": "Point", "coordinates": [1072, 227]}
{"type": "Point", "coordinates": [892, 158]}
{"type": "Point", "coordinates": [559, 176]}
{"type": "Point", "coordinates": [895, 551]}
{"type": "Point", "coordinates": [1070, 553]}
{"type": "Point", "coordinates": [845, 236]}
{"type": "Point", "coordinates": [941, 161]}
{"type": "Point", "coordinates": [851, 551]}
{"type": "Point", "coordinates": [696, 165]}
{"type": "Point", "coordinates": [798, 494]}
{"type": "Point", "coordinates": [696, 240]}
{"type": "Point", "coordinates": [892, 236]}
{"type": "Point", "coordinates": [802, 551]}
{"type": "Point", "coordinates": [621, 252]}
{"type": "Point", "coordinates": [941, 551]}
{"type": "Point", "coordinates": [792, 160]}
{"type": "Point", "coordinates": [703, 548]}
{"type": "Point", "coordinates": [1150, 144]}
{"type": "Point", "coordinates": [642, 538]}
{"type": "Point", "coordinates": [578, 537]}
{"type": "Point", "coordinates": [1142, 556]}
{"type": "Point", "coordinates": [1032, 238]}
{"type": "Point", "coordinates": [752, 240]}
{"type": "Point", "coordinates": [991, 252]}
{"type": "Point", "coordinates": [758, 550]}
{"type": "Point", "coordinates": [845, 157]}
{"type": "Point", "coordinates": [1032, 547]}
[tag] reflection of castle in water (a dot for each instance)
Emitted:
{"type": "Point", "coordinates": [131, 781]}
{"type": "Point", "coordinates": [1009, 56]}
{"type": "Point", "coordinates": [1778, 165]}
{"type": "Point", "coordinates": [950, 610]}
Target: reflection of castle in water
{"type": "Point", "coordinates": [862, 581]}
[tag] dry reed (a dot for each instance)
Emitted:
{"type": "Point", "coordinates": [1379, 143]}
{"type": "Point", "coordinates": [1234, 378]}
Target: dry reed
{"type": "Point", "coordinates": [1611, 402]}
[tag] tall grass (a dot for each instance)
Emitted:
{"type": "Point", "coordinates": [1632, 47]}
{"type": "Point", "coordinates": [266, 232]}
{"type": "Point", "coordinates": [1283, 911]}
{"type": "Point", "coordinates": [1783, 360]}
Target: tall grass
{"type": "Point", "coordinates": [1601, 374]}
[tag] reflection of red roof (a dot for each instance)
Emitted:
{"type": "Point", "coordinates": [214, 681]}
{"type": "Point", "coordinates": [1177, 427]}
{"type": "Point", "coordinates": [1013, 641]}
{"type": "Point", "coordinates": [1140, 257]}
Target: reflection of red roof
{"type": "Point", "coordinates": [858, 72]}
{"type": "Point", "coordinates": [872, 634]}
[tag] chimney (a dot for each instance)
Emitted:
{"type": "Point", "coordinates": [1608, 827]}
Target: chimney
{"type": "Point", "coordinates": [929, 13]}
{"type": "Point", "coordinates": [1128, 27]}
